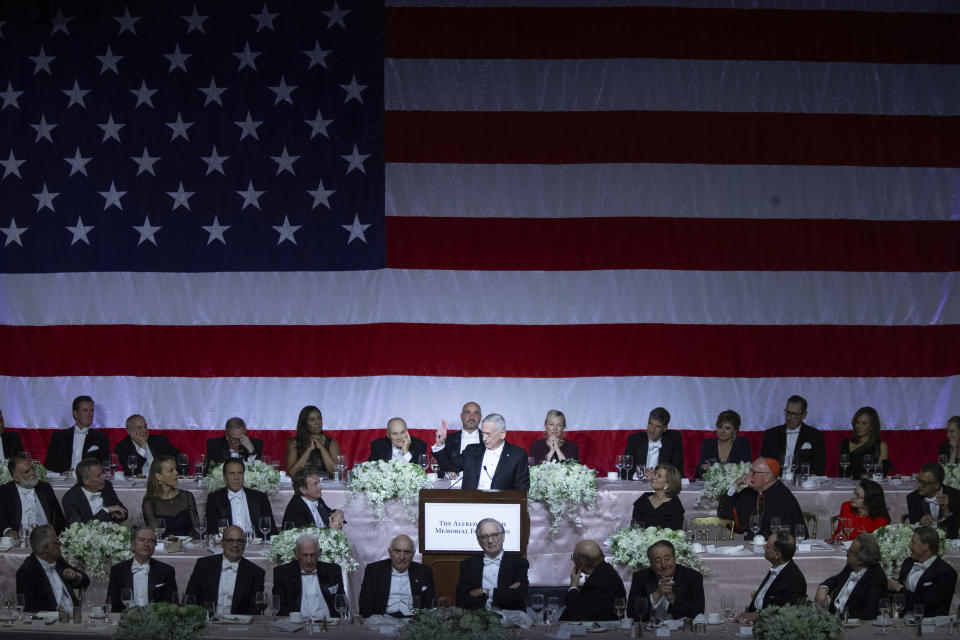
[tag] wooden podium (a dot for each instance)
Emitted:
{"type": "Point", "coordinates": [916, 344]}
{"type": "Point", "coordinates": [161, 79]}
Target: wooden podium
{"type": "Point", "coordinates": [444, 557]}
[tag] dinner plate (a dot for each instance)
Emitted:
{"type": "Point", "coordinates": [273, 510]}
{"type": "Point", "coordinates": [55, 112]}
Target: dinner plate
{"type": "Point", "coordinates": [7, 547]}
{"type": "Point", "coordinates": [235, 618]}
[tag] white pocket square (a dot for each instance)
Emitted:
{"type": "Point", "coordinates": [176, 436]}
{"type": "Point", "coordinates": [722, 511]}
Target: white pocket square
{"type": "Point", "coordinates": [806, 445]}
{"type": "Point", "coordinates": [928, 584]}
{"type": "Point", "coordinates": [423, 588]}
{"type": "Point", "coordinates": [159, 584]}
{"type": "Point", "coordinates": [332, 589]}
{"type": "Point", "coordinates": [93, 448]}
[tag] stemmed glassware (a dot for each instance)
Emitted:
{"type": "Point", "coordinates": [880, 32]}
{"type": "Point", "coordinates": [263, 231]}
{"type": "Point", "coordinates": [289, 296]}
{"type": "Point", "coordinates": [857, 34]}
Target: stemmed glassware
{"type": "Point", "coordinates": [755, 524]}
{"type": "Point", "coordinates": [728, 606]}
{"type": "Point", "coordinates": [536, 603]}
{"type": "Point", "coordinates": [620, 608]}
{"type": "Point", "coordinates": [161, 528]}
{"type": "Point", "coordinates": [183, 464]}
{"type": "Point", "coordinates": [342, 606]}
{"type": "Point", "coordinates": [899, 605]}
{"type": "Point", "coordinates": [844, 463]}
{"type": "Point", "coordinates": [641, 608]}
{"type": "Point", "coordinates": [885, 611]}
{"type": "Point", "coordinates": [132, 464]}
{"type": "Point", "coordinates": [201, 527]}
{"type": "Point", "coordinates": [20, 603]}
{"type": "Point", "coordinates": [260, 601]}
{"type": "Point", "coordinates": [264, 526]}
{"type": "Point", "coordinates": [423, 461]}
{"type": "Point", "coordinates": [868, 464]}
{"type": "Point", "coordinates": [126, 597]}
{"type": "Point", "coordinates": [627, 463]}
{"type": "Point", "coordinates": [342, 467]}
{"type": "Point", "coordinates": [553, 605]}
{"type": "Point", "coordinates": [799, 533]}
{"type": "Point", "coordinates": [618, 463]}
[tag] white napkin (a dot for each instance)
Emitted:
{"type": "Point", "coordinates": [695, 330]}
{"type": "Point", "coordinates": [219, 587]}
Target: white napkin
{"type": "Point", "coordinates": [375, 622]}
{"type": "Point", "coordinates": [673, 625]}
{"type": "Point", "coordinates": [700, 618]}
{"type": "Point", "coordinates": [513, 618]}
{"type": "Point", "coordinates": [730, 550]}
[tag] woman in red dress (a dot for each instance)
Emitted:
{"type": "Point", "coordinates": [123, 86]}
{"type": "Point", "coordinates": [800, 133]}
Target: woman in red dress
{"type": "Point", "coordinates": [866, 512]}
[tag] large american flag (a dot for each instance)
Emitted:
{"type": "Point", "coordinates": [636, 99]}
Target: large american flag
{"type": "Point", "coordinates": [240, 208]}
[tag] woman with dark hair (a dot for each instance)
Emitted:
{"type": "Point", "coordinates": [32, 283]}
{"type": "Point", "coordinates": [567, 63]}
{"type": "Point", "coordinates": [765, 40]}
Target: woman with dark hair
{"type": "Point", "coordinates": [727, 446]}
{"type": "Point", "coordinates": [865, 440]}
{"type": "Point", "coordinates": [164, 499]}
{"type": "Point", "coordinates": [951, 448]}
{"type": "Point", "coordinates": [866, 512]}
{"type": "Point", "coordinates": [554, 447]}
{"type": "Point", "coordinates": [661, 507]}
{"type": "Point", "coordinates": [311, 445]}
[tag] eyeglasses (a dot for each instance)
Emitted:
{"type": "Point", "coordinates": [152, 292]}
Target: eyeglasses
{"type": "Point", "coordinates": [793, 414]}
{"type": "Point", "coordinates": [234, 540]}
{"type": "Point", "coordinates": [489, 536]}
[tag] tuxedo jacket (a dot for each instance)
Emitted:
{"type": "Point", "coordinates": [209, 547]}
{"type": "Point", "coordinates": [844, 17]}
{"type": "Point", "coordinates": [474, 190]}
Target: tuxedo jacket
{"type": "Point", "coordinates": [382, 449]}
{"type": "Point", "coordinates": [11, 511]}
{"type": "Point", "coordinates": [789, 587]}
{"type": "Point", "coordinates": [32, 582]}
{"type": "Point", "coordinates": [917, 507]}
{"type": "Point", "coordinates": [934, 588]}
{"type": "Point", "coordinates": [671, 451]}
{"type": "Point", "coordinates": [218, 506]}
{"type": "Point", "coordinates": [158, 445]}
{"type": "Point", "coordinates": [204, 583]}
{"type": "Point", "coordinates": [512, 471]}
{"type": "Point", "coordinates": [375, 590]}
{"type": "Point", "coordinates": [77, 509]}
{"type": "Point", "coordinates": [865, 598]}
{"type": "Point", "coordinates": [594, 600]}
{"type": "Point", "coordinates": [161, 583]}
{"type": "Point", "coordinates": [60, 453]}
{"type": "Point", "coordinates": [287, 585]}
{"type": "Point", "coordinates": [12, 444]}
{"type": "Point", "coordinates": [513, 568]}
{"type": "Point", "coordinates": [218, 451]}
{"type": "Point", "coordinates": [299, 513]}
{"type": "Point", "coordinates": [687, 589]}
{"type": "Point", "coordinates": [448, 458]}
{"type": "Point", "coordinates": [774, 445]}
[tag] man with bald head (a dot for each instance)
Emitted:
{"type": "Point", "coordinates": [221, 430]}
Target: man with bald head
{"type": "Point", "coordinates": [390, 586]}
{"type": "Point", "coordinates": [228, 579]}
{"type": "Point", "coordinates": [448, 448]}
{"type": "Point", "coordinates": [142, 444]}
{"type": "Point", "coordinates": [764, 495]}
{"type": "Point", "coordinates": [306, 583]}
{"type": "Point", "coordinates": [495, 578]}
{"type": "Point", "coordinates": [594, 585]}
{"type": "Point", "coordinates": [398, 444]}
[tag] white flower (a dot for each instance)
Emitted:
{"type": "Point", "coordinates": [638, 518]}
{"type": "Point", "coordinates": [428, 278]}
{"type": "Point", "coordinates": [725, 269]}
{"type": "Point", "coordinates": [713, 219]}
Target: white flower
{"type": "Point", "coordinates": [893, 540]}
{"type": "Point", "coordinates": [257, 475]}
{"type": "Point", "coordinates": [91, 544]}
{"type": "Point", "coordinates": [629, 547]}
{"type": "Point", "coordinates": [797, 622]}
{"type": "Point", "coordinates": [718, 479]}
{"type": "Point", "coordinates": [380, 481]}
{"type": "Point", "coordinates": [951, 475]}
{"type": "Point", "coordinates": [566, 490]}
{"type": "Point", "coordinates": [334, 546]}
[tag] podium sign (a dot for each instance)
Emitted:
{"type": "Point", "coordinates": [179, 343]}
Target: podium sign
{"type": "Point", "coordinates": [450, 526]}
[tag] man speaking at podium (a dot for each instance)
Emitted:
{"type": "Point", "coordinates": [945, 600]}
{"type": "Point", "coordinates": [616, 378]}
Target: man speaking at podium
{"type": "Point", "coordinates": [496, 464]}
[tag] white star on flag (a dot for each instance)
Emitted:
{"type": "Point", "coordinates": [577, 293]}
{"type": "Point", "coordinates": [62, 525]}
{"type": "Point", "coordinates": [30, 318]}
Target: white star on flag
{"type": "Point", "coordinates": [180, 198]}
{"type": "Point", "coordinates": [355, 160]}
{"type": "Point", "coordinates": [43, 129]}
{"type": "Point", "coordinates": [195, 21]}
{"type": "Point", "coordinates": [213, 93]}
{"type": "Point", "coordinates": [145, 162]}
{"type": "Point", "coordinates": [216, 231]}
{"type": "Point", "coordinates": [251, 197]}
{"type": "Point", "coordinates": [285, 162]}
{"type": "Point", "coordinates": [11, 165]}
{"type": "Point", "coordinates": [45, 198]}
{"type": "Point", "coordinates": [109, 61]}
{"type": "Point", "coordinates": [249, 127]}
{"type": "Point", "coordinates": [353, 90]}
{"type": "Point", "coordinates": [60, 22]}
{"type": "Point", "coordinates": [78, 163]}
{"type": "Point", "coordinates": [321, 196]}
{"type": "Point", "coordinates": [76, 95]}
{"type": "Point", "coordinates": [336, 16]}
{"type": "Point", "coordinates": [179, 128]}
{"type": "Point", "coordinates": [110, 129]}
{"type": "Point", "coordinates": [283, 91]}
{"type": "Point", "coordinates": [79, 232]}
{"type": "Point", "coordinates": [214, 162]}
{"type": "Point", "coordinates": [126, 23]}
{"type": "Point", "coordinates": [10, 96]}
{"type": "Point", "coordinates": [147, 232]}
{"type": "Point", "coordinates": [247, 58]}
{"type": "Point", "coordinates": [264, 19]}
{"type": "Point", "coordinates": [113, 197]}
{"type": "Point", "coordinates": [318, 125]}
{"type": "Point", "coordinates": [42, 62]}
{"type": "Point", "coordinates": [143, 95]}
{"type": "Point", "coordinates": [13, 233]}
{"type": "Point", "coordinates": [177, 60]}
{"type": "Point", "coordinates": [356, 230]}
{"type": "Point", "coordinates": [317, 56]}
{"type": "Point", "coordinates": [286, 231]}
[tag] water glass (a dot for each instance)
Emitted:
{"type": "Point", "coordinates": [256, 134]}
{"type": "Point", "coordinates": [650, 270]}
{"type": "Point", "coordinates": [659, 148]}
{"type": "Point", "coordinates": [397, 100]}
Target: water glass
{"type": "Point", "coordinates": [799, 532]}
{"type": "Point", "coordinates": [553, 605]}
{"type": "Point", "coordinates": [536, 604]}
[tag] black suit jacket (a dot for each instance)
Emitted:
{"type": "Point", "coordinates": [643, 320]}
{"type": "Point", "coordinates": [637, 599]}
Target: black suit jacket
{"type": "Point", "coordinates": [917, 507]}
{"type": "Point", "coordinates": [687, 587]}
{"type": "Point", "coordinates": [287, 585]}
{"type": "Point", "coordinates": [671, 452]}
{"type": "Point", "coordinates": [299, 513]}
{"type": "Point", "coordinates": [449, 457]}
{"type": "Point", "coordinates": [513, 568]}
{"type": "Point", "coordinates": [512, 471]}
{"type": "Point", "coordinates": [382, 449]}
{"type": "Point", "coordinates": [11, 509]}
{"type": "Point", "coordinates": [33, 583]}
{"type": "Point", "coordinates": [789, 587]}
{"type": "Point", "coordinates": [774, 445]}
{"type": "Point", "coordinates": [12, 444]}
{"type": "Point", "coordinates": [594, 600]}
{"type": "Point", "coordinates": [95, 445]}
{"type": "Point", "coordinates": [934, 588]}
{"type": "Point", "coordinates": [158, 445]}
{"type": "Point", "coordinates": [161, 583]}
{"type": "Point", "coordinates": [77, 509]}
{"type": "Point", "coordinates": [218, 506]}
{"type": "Point", "coordinates": [204, 583]}
{"type": "Point", "coordinates": [865, 598]}
{"type": "Point", "coordinates": [218, 451]}
{"type": "Point", "coordinates": [375, 590]}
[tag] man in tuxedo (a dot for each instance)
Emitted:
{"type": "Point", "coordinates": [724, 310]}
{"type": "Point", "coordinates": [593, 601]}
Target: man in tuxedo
{"type": "Point", "coordinates": [784, 584]}
{"type": "Point", "coordinates": [149, 580]}
{"type": "Point", "coordinates": [654, 446]}
{"type": "Point", "coordinates": [666, 584]}
{"type": "Point", "coordinates": [765, 495]}
{"type": "Point", "coordinates": [10, 443]}
{"type": "Point", "coordinates": [228, 579]}
{"type": "Point", "coordinates": [448, 448]}
{"type": "Point", "coordinates": [389, 586]}
{"type": "Point", "coordinates": [594, 585]}
{"type": "Point", "coordinates": [497, 464]}
{"type": "Point", "coordinates": [69, 446]}
{"type": "Point", "coordinates": [93, 497]}
{"type": "Point", "coordinates": [307, 584]}
{"type": "Point", "coordinates": [45, 579]}
{"type": "Point", "coordinates": [398, 444]}
{"type": "Point", "coordinates": [25, 500]}
{"type": "Point", "coordinates": [934, 504]}
{"type": "Point", "coordinates": [861, 584]}
{"type": "Point", "coordinates": [495, 579]}
{"type": "Point", "coordinates": [234, 445]}
{"type": "Point", "coordinates": [140, 443]}
{"type": "Point", "coordinates": [924, 577]}
{"type": "Point", "coordinates": [307, 508]}
{"type": "Point", "coordinates": [238, 504]}
{"type": "Point", "coordinates": [794, 439]}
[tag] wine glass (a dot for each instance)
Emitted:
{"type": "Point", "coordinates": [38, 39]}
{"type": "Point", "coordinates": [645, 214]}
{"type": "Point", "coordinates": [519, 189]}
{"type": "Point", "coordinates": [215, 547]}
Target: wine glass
{"type": "Point", "coordinates": [126, 597]}
{"type": "Point", "coordinates": [132, 464]}
{"type": "Point", "coordinates": [201, 527]}
{"type": "Point", "coordinates": [884, 611]}
{"type": "Point", "coordinates": [641, 608]}
{"type": "Point", "coordinates": [799, 533]}
{"type": "Point", "coordinates": [618, 463]}
{"type": "Point", "coordinates": [434, 465]}
{"type": "Point", "coordinates": [844, 463]}
{"type": "Point", "coordinates": [620, 607]}
{"type": "Point", "coordinates": [183, 463]}
{"type": "Point", "coordinates": [536, 603]}
{"type": "Point", "coordinates": [943, 459]}
{"type": "Point", "coordinates": [260, 601]}
{"type": "Point", "coordinates": [899, 604]}
{"type": "Point", "coordinates": [211, 609]}
{"type": "Point", "coordinates": [774, 524]}
{"type": "Point", "coordinates": [918, 614]}
{"type": "Point", "coordinates": [755, 524]}
{"type": "Point", "coordinates": [20, 603]}
{"type": "Point", "coordinates": [847, 524]}
{"type": "Point", "coordinates": [264, 526]}
{"type": "Point", "coordinates": [690, 531]}
{"type": "Point", "coordinates": [288, 525]}
{"type": "Point", "coordinates": [422, 461]}
{"type": "Point", "coordinates": [868, 464]}
{"type": "Point", "coordinates": [341, 605]}
{"type": "Point", "coordinates": [108, 609]}
{"type": "Point", "coordinates": [222, 524]}
{"type": "Point", "coordinates": [342, 467]}
{"type": "Point", "coordinates": [728, 607]}
{"type": "Point", "coordinates": [161, 527]}
{"type": "Point", "coordinates": [197, 471]}
{"type": "Point", "coordinates": [553, 605]}
{"type": "Point", "coordinates": [627, 463]}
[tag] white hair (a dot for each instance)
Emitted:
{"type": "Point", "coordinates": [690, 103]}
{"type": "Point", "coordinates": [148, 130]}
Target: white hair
{"type": "Point", "coordinates": [497, 421]}
{"type": "Point", "coordinates": [303, 538]}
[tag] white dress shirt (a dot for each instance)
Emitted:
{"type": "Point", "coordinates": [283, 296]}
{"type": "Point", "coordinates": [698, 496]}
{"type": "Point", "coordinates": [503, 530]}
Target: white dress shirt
{"type": "Point", "coordinates": [491, 575]}
{"type": "Point", "coordinates": [399, 599]}
{"type": "Point", "coordinates": [95, 500]}
{"type": "Point", "coordinates": [653, 458]}
{"type": "Point", "coordinates": [228, 580]}
{"type": "Point", "coordinates": [30, 510]}
{"type": "Point", "coordinates": [79, 437]}
{"type": "Point", "coordinates": [140, 573]}
{"type": "Point", "coordinates": [311, 598]}
{"type": "Point", "coordinates": [238, 509]}
{"type": "Point", "coordinates": [488, 466]}
{"type": "Point", "coordinates": [398, 454]}
{"type": "Point", "coordinates": [774, 572]}
{"type": "Point", "coordinates": [934, 507]}
{"type": "Point", "coordinates": [792, 436]}
{"type": "Point", "coordinates": [314, 508]}
{"type": "Point", "coordinates": [145, 452]}
{"type": "Point", "coordinates": [916, 571]}
{"type": "Point", "coordinates": [60, 591]}
{"type": "Point", "coordinates": [841, 600]}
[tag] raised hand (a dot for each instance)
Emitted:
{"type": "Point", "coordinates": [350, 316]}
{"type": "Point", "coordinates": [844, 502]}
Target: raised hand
{"type": "Point", "coordinates": [441, 433]}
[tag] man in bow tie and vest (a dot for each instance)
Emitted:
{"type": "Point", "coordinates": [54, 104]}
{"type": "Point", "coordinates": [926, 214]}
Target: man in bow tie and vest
{"type": "Point", "coordinates": [93, 497]}
{"type": "Point", "coordinates": [656, 445]}
{"type": "Point", "coordinates": [933, 504]}
{"type": "Point", "coordinates": [307, 584]}
{"type": "Point", "coordinates": [495, 578]}
{"type": "Point", "coordinates": [397, 586]}
{"type": "Point", "coordinates": [149, 580]}
{"type": "Point", "coordinates": [859, 587]}
{"type": "Point", "coordinates": [924, 577]}
{"type": "Point", "coordinates": [45, 579]}
{"type": "Point", "coordinates": [784, 583]}
{"type": "Point", "coordinates": [228, 579]}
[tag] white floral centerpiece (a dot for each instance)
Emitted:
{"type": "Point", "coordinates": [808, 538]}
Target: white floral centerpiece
{"type": "Point", "coordinates": [454, 623]}
{"type": "Point", "coordinates": [379, 481]}
{"type": "Point", "coordinates": [90, 545]}
{"type": "Point", "coordinates": [951, 474]}
{"type": "Point", "coordinates": [629, 546]}
{"type": "Point", "coordinates": [718, 478]}
{"type": "Point", "coordinates": [39, 468]}
{"type": "Point", "coordinates": [894, 540]}
{"type": "Point", "coordinates": [797, 622]}
{"type": "Point", "coordinates": [334, 546]}
{"type": "Point", "coordinates": [257, 475]}
{"type": "Point", "coordinates": [162, 621]}
{"type": "Point", "coordinates": [565, 489]}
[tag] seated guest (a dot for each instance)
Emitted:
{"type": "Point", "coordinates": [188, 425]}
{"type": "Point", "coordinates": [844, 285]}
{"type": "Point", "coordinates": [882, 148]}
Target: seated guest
{"type": "Point", "coordinates": [667, 584]}
{"type": "Point", "coordinates": [311, 445]}
{"type": "Point", "coordinates": [497, 464]}
{"type": "Point", "coordinates": [727, 447]}
{"type": "Point", "coordinates": [554, 447]}
{"type": "Point", "coordinates": [601, 585]}
{"type": "Point", "coordinates": [69, 446]}
{"type": "Point", "coordinates": [92, 497]}
{"type": "Point", "coordinates": [653, 446]}
{"type": "Point", "coordinates": [925, 578]}
{"type": "Point", "coordinates": [495, 579]}
{"type": "Point", "coordinates": [25, 501]}
{"type": "Point", "coordinates": [934, 504]}
{"type": "Point", "coordinates": [164, 499]}
{"type": "Point", "coordinates": [861, 584]}
{"type": "Point", "coordinates": [398, 444]}
{"type": "Point", "coordinates": [10, 443]}
{"type": "Point", "coordinates": [228, 579]}
{"type": "Point", "coordinates": [950, 448]}
{"type": "Point", "coordinates": [866, 512]}
{"type": "Point", "coordinates": [866, 440]}
{"type": "Point", "coordinates": [448, 449]}
{"type": "Point", "coordinates": [45, 579]}
{"type": "Point", "coordinates": [238, 504]}
{"type": "Point", "coordinates": [796, 440]}
{"type": "Point", "coordinates": [784, 584]}
{"type": "Point", "coordinates": [234, 445]}
{"type": "Point", "coordinates": [307, 508]}
{"type": "Point", "coordinates": [149, 580]}
{"type": "Point", "coordinates": [142, 444]}
{"type": "Point", "coordinates": [660, 507]}
{"type": "Point", "coordinates": [764, 495]}
{"type": "Point", "coordinates": [307, 584]}
{"type": "Point", "coordinates": [390, 586]}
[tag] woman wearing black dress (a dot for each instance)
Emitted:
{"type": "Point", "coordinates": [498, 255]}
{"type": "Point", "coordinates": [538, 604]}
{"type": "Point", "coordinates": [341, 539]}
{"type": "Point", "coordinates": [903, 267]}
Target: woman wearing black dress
{"type": "Point", "coordinates": [866, 440]}
{"type": "Point", "coordinates": [660, 507]}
